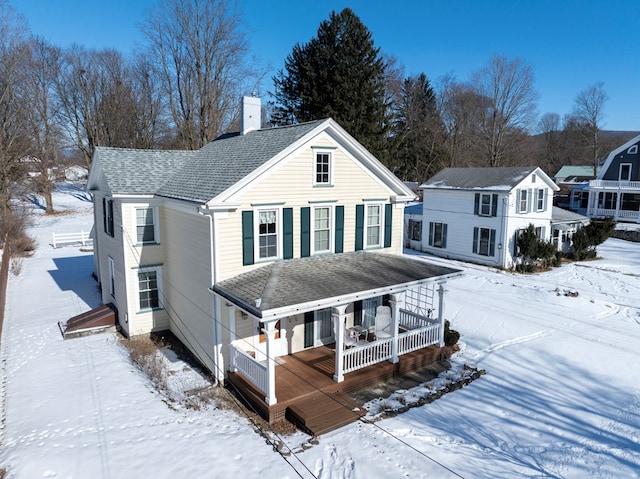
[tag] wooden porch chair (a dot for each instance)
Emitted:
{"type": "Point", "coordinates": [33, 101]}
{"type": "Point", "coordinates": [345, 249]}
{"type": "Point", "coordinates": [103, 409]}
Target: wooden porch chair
{"type": "Point", "coordinates": [383, 322]}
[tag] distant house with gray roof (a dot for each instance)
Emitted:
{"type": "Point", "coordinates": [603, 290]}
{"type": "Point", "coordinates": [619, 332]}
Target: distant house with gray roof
{"type": "Point", "coordinates": [262, 245]}
{"type": "Point", "coordinates": [477, 214]}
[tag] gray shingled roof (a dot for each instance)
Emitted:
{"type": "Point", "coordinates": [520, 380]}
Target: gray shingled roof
{"type": "Point", "coordinates": [487, 178]}
{"type": "Point", "coordinates": [224, 162]}
{"type": "Point", "coordinates": [560, 215]}
{"type": "Point", "coordinates": [288, 283]}
{"type": "Point", "coordinates": [139, 172]}
{"type": "Point", "coordinates": [196, 175]}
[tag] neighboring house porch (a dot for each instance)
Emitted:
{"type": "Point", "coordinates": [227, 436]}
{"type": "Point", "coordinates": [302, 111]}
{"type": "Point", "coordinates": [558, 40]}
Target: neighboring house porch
{"type": "Point", "coordinates": [617, 199]}
{"type": "Point", "coordinates": [333, 304]}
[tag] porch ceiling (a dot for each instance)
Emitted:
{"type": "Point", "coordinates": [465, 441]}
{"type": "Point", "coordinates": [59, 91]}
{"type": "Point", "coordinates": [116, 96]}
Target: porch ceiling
{"type": "Point", "coordinates": [303, 284]}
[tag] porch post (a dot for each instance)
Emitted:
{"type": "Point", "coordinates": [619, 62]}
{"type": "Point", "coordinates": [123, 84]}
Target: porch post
{"type": "Point", "coordinates": [441, 291]}
{"type": "Point", "coordinates": [395, 301]}
{"type": "Point", "coordinates": [231, 312]}
{"type": "Point", "coordinates": [618, 201]}
{"type": "Point", "coordinates": [338, 315]}
{"type": "Point", "coordinates": [270, 333]}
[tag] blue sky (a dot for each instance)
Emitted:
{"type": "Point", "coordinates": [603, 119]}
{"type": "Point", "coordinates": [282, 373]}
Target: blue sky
{"type": "Point", "coordinates": [571, 44]}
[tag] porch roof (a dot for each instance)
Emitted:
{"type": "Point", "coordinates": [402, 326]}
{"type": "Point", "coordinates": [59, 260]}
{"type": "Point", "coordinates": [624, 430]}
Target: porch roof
{"type": "Point", "coordinates": [298, 285]}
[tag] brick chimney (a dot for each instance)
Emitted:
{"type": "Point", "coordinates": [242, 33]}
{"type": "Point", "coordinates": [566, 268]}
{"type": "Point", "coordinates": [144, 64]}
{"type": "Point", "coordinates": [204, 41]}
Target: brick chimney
{"type": "Point", "coordinates": [251, 114]}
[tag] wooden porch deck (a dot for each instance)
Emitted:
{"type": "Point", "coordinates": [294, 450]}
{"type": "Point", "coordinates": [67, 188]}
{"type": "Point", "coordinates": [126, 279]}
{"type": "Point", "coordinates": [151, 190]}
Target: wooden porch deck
{"type": "Point", "coordinates": [308, 395]}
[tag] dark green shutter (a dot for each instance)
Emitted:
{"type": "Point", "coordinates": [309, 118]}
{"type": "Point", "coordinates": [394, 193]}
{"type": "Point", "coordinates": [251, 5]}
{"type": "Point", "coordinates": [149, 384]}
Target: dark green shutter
{"type": "Point", "coordinates": [359, 227]}
{"type": "Point", "coordinates": [309, 318]}
{"type": "Point", "coordinates": [357, 313]}
{"type": "Point", "coordinates": [388, 225]}
{"type": "Point", "coordinates": [247, 237]}
{"type": "Point", "coordinates": [287, 232]}
{"type": "Point", "coordinates": [494, 205]}
{"type": "Point", "coordinates": [305, 232]}
{"type": "Point", "coordinates": [475, 240]}
{"type": "Point", "coordinates": [444, 235]}
{"type": "Point", "coordinates": [430, 233]}
{"type": "Point", "coordinates": [339, 242]}
{"type": "Point", "coordinates": [476, 204]}
{"type": "Point", "coordinates": [492, 243]}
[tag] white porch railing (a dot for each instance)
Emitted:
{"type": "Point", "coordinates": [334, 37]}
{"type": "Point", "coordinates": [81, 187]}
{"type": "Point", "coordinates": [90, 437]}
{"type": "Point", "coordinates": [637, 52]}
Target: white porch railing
{"type": "Point", "coordinates": [418, 338]}
{"type": "Point", "coordinates": [82, 238]}
{"type": "Point", "coordinates": [409, 320]}
{"type": "Point", "coordinates": [602, 212]}
{"type": "Point", "coordinates": [367, 355]}
{"type": "Point", "coordinates": [255, 372]}
{"type": "Point", "coordinates": [615, 185]}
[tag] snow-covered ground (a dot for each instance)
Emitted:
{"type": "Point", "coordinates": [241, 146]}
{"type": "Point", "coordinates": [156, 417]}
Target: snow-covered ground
{"type": "Point", "coordinates": [561, 397]}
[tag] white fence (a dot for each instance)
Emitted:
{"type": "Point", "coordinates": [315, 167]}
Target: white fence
{"type": "Point", "coordinates": [418, 339]}
{"type": "Point", "coordinates": [255, 372]}
{"type": "Point", "coordinates": [67, 239]}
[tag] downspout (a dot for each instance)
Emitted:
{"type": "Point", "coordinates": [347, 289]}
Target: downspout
{"type": "Point", "coordinates": [505, 209]}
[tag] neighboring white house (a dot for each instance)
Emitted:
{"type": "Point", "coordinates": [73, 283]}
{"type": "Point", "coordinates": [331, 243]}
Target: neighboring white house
{"type": "Point", "coordinates": [262, 244]}
{"type": "Point", "coordinates": [413, 226]}
{"type": "Point", "coordinates": [564, 224]}
{"type": "Point", "coordinates": [616, 190]}
{"type": "Point", "coordinates": [476, 214]}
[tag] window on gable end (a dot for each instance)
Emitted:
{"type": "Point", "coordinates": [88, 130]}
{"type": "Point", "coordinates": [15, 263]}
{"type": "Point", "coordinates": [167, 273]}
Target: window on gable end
{"type": "Point", "coordinates": [373, 226]}
{"type": "Point", "coordinates": [540, 206]}
{"type": "Point", "coordinates": [146, 225]}
{"type": "Point", "coordinates": [322, 229]}
{"type": "Point", "coordinates": [322, 168]}
{"type": "Point", "coordinates": [523, 201]}
{"type": "Point", "coordinates": [267, 234]}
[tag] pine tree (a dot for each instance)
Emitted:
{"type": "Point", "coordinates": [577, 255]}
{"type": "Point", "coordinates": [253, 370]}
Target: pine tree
{"type": "Point", "coordinates": [418, 131]}
{"type": "Point", "coordinates": [337, 74]}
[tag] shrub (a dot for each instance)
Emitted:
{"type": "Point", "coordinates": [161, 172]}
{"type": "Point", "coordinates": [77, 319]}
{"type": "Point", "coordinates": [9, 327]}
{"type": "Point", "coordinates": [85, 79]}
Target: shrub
{"type": "Point", "coordinates": [586, 239]}
{"type": "Point", "coordinates": [451, 336]}
{"type": "Point", "coordinates": [535, 253]}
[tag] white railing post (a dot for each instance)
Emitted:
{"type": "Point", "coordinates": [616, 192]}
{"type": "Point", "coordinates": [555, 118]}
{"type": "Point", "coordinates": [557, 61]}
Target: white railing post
{"type": "Point", "coordinates": [270, 333]}
{"type": "Point", "coordinates": [441, 291]}
{"type": "Point", "coordinates": [339, 314]}
{"type": "Point", "coordinates": [396, 300]}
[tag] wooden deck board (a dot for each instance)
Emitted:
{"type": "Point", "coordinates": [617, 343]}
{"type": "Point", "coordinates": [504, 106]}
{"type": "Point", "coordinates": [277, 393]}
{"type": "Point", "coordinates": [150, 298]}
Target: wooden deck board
{"type": "Point", "coordinates": [307, 393]}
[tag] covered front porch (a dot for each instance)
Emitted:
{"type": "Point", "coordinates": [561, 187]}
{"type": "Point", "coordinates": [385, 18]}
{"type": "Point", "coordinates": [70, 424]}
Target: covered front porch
{"type": "Point", "coordinates": [617, 199]}
{"type": "Point", "coordinates": [408, 298]}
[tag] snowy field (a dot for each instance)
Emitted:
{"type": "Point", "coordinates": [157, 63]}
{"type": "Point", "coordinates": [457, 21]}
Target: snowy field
{"type": "Point", "coordinates": [561, 397]}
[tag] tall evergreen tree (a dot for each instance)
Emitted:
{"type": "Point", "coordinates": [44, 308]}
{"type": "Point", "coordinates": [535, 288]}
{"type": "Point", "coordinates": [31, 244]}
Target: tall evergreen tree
{"type": "Point", "coordinates": [418, 131]}
{"type": "Point", "coordinates": [337, 74]}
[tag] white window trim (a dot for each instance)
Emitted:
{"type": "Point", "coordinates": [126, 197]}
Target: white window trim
{"type": "Point", "coordinates": [144, 269]}
{"type": "Point", "coordinates": [620, 178]}
{"type": "Point", "coordinates": [526, 200]}
{"type": "Point", "coordinates": [480, 230]}
{"type": "Point", "coordinates": [540, 199]}
{"type": "Point", "coordinates": [482, 196]}
{"type": "Point", "coordinates": [256, 236]}
{"type": "Point", "coordinates": [412, 229]}
{"type": "Point", "coordinates": [112, 276]}
{"type": "Point", "coordinates": [108, 214]}
{"type": "Point", "coordinates": [432, 239]}
{"type": "Point", "coordinates": [632, 150]}
{"type": "Point", "coordinates": [332, 228]}
{"type": "Point", "coordinates": [366, 244]}
{"type": "Point", "coordinates": [320, 151]}
{"type": "Point", "coordinates": [156, 226]}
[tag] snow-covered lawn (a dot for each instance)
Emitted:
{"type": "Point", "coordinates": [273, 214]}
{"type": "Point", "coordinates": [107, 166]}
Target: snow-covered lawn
{"type": "Point", "coordinates": [561, 397]}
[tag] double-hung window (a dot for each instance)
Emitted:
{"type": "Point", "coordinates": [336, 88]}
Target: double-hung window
{"type": "Point", "coordinates": [108, 216]}
{"type": "Point", "coordinates": [373, 225]}
{"type": "Point", "coordinates": [437, 235]}
{"type": "Point", "coordinates": [268, 234]}
{"type": "Point", "coordinates": [415, 230]}
{"type": "Point", "coordinates": [146, 225]}
{"type": "Point", "coordinates": [322, 168]}
{"type": "Point", "coordinates": [485, 205]}
{"type": "Point", "coordinates": [523, 201]}
{"type": "Point", "coordinates": [625, 171]}
{"type": "Point", "coordinates": [540, 199]}
{"type": "Point", "coordinates": [484, 240]}
{"type": "Point", "coordinates": [149, 288]}
{"type": "Point", "coordinates": [322, 222]}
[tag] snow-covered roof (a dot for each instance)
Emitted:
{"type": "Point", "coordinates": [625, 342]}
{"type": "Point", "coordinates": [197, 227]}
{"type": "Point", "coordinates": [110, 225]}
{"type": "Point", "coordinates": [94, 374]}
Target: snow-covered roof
{"type": "Point", "coordinates": [497, 179]}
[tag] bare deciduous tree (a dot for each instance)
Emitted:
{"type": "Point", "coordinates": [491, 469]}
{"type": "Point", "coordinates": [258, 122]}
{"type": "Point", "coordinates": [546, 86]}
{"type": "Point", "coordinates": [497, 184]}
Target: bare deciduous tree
{"type": "Point", "coordinates": [508, 86]}
{"type": "Point", "coordinates": [200, 49]}
{"type": "Point", "coordinates": [588, 110]}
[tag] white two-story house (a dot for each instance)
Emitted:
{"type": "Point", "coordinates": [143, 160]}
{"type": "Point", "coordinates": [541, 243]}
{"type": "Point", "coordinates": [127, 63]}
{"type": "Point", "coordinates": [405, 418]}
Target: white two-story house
{"type": "Point", "coordinates": [261, 245]}
{"type": "Point", "coordinates": [476, 214]}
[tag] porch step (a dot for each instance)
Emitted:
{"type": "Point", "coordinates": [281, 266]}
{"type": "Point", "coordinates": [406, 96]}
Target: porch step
{"type": "Point", "coordinates": [324, 412]}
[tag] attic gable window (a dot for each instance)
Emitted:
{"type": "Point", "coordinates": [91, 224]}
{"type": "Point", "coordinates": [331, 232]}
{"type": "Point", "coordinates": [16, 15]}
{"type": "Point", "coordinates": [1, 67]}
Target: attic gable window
{"type": "Point", "coordinates": [322, 171]}
{"type": "Point", "coordinates": [632, 150]}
